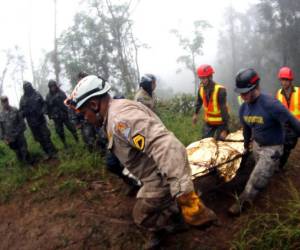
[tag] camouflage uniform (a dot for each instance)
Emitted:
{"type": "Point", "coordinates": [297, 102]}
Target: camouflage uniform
{"type": "Point", "coordinates": [33, 106]}
{"type": "Point", "coordinates": [143, 97]}
{"type": "Point", "coordinates": [154, 155]}
{"type": "Point", "coordinates": [12, 127]}
{"type": "Point", "coordinates": [267, 161]}
{"type": "Point", "coordinates": [57, 111]}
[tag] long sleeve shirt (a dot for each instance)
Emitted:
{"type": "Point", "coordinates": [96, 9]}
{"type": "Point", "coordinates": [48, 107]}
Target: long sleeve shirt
{"type": "Point", "coordinates": [264, 120]}
{"type": "Point", "coordinates": [222, 96]}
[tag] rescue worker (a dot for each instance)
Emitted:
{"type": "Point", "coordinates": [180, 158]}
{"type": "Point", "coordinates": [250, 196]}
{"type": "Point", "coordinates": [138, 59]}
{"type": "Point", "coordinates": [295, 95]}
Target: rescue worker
{"type": "Point", "coordinates": [33, 108]}
{"type": "Point", "coordinates": [150, 152]}
{"type": "Point", "coordinates": [58, 112]}
{"type": "Point", "coordinates": [145, 93]}
{"type": "Point", "coordinates": [213, 98]}
{"type": "Point", "coordinates": [262, 118]}
{"type": "Point", "coordinates": [12, 127]}
{"type": "Point", "coordinates": [289, 96]}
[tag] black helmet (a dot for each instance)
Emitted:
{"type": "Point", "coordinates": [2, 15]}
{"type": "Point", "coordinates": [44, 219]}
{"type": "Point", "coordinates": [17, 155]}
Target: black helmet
{"type": "Point", "coordinates": [52, 83]}
{"type": "Point", "coordinates": [246, 80]}
{"type": "Point", "coordinates": [27, 87]}
{"type": "Point", "coordinates": [148, 78]}
{"type": "Point", "coordinates": [146, 83]}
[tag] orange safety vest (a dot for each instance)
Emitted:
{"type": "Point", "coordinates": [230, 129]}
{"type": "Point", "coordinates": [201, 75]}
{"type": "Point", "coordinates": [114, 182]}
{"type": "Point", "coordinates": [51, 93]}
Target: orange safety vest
{"type": "Point", "coordinates": [212, 111]}
{"type": "Point", "coordinates": [294, 106]}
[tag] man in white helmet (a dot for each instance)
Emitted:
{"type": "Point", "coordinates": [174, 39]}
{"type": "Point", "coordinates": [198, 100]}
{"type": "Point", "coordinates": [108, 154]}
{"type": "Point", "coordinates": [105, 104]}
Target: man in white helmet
{"type": "Point", "coordinates": [150, 152]}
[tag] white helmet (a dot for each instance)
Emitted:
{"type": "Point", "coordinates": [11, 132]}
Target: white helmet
{"type": "Point", "coordinates": [86, 88]}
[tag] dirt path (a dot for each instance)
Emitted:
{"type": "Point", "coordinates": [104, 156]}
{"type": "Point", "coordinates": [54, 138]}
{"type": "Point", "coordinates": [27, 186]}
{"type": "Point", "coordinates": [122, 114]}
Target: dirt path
{"type": "Point", "coordinates": [100, 217]}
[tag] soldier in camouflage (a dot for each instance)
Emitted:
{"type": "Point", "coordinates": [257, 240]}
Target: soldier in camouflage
{"type": "Point", "coordinates": [33, 108]}
{"type": "Point", "coordinates": [12, 127]}
{"type": "Point", "coordinates": [57, 111]}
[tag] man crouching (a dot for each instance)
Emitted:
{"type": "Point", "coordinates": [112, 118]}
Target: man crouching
{"type": "Point", "coordinates": [150, 152]}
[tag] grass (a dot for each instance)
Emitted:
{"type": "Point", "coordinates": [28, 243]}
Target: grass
{"type": "Point", "coordinates": [181, 124]}
{"type": "Point", "coordinates": [76, 166]}
{"type": "Point", "coordinates": [278, 230]}
{"type": "Point", "coordinates": [71, 186]}
{"type": "Point", "coordinates": [74, 163]}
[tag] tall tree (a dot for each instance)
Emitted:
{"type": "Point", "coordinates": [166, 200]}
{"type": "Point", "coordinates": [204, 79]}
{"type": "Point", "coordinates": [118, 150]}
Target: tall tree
{"type": "Point", "coordinates": [8, 58]}
{"type": "Point", "coordinates": [101, 41]}
{"type": "Point", "coordinates": [55, 58]}
{"type": "Point", "coordinates": [192, 47]}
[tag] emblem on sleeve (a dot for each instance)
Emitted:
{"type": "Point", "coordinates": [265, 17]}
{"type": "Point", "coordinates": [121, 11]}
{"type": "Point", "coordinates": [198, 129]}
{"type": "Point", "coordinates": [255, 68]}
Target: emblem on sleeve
{"type": "Point", "coordinates": [139, 141]}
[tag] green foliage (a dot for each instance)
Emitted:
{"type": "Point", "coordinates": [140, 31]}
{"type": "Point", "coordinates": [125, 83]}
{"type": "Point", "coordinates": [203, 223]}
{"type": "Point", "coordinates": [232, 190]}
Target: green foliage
{"type": "Point", "coordinates": [78, 161]}
{"type": "Point", "coordinates": [264, 37]}
{"type": "Point", "coordinates": [74, 162]}
{"type": "Point", "coordinates": [101, 42]}
{"type": "Point", "coordinates": [192, 47]}
{"type": "Point", "coordinates": [279, 230]}
{"type": "Point", "coordinates": [11, 178]}
{"type": "Point", "coordinates": [176, 114]}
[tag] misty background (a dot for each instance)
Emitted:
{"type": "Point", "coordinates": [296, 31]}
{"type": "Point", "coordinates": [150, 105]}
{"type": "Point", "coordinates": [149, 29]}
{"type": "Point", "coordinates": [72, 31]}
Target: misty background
{"type": "Point", "coordinates": [123, 39]}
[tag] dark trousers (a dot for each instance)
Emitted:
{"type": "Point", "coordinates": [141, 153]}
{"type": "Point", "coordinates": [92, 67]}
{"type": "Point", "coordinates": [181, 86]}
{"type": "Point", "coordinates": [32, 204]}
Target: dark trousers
{"type": "Point", "coordinates": [213, 130]}
{"type": "Point", "coordinates": [59, 128]}
{"type": "Point", "coordinates": [41, 133]}
{"type": "Point", "coordinates": [19, 146]}
{"type": "Point", "coordinates": [289, 144]}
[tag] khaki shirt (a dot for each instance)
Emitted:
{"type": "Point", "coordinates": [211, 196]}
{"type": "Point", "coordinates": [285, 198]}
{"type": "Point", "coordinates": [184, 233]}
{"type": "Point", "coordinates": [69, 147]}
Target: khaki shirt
{"type": "Point", "coordinates": [148, 150]}
{"type": "Point", "coordinates": [143, 97]}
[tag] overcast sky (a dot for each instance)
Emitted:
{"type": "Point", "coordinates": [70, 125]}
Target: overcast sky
{"type": "Point", "coordinates": [153, 21]}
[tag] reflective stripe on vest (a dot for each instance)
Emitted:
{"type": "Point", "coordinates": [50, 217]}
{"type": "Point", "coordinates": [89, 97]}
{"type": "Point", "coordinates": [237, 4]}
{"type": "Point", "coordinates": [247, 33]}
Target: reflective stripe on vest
{"type": "Point", "coordinates": [240, 100]}
{"type": "Point", "coordinates": [212, 111]}
{"type": "Point", "coordinates": [294, 106]}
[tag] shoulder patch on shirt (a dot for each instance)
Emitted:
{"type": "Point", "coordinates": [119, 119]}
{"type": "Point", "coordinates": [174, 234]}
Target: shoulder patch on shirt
{"type": "Point", "coordinates": [123, 128]}
{"type": "Point", "coordinates": [139, 141]}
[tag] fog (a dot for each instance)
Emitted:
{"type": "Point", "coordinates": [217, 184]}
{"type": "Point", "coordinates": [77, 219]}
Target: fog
{"type": "Point", "coordinates": [31, 22]}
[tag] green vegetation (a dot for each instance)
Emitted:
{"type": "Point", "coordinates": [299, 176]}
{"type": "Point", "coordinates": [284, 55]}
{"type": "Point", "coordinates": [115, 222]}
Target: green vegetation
{"type": "Point", "coordinates": [276, 230]}
{"type": "Point", "coordinates": [76, 167]}
{"type": "Point", "coordinates": [176, 114]}
{"type": "Point", "coordinates": [73, 167]}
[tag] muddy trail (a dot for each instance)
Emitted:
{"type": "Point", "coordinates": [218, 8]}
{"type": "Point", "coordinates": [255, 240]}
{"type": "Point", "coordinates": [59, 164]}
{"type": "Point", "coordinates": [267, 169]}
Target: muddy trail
{"type": "Point", "coordinates": [99, 216]}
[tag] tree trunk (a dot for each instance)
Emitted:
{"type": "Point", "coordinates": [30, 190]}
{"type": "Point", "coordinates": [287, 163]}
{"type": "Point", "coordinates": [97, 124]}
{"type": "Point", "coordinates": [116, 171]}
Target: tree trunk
{"type": "Point", "coordinates": [55, 54]}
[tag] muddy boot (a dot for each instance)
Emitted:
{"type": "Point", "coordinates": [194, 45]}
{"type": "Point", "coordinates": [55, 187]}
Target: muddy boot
{"type": "Point", "coordinates": [206, 217]}
{"type": "Point", "coordinates": [154, 241]}
{"type": "Point", "coordinates": [240, 205]}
